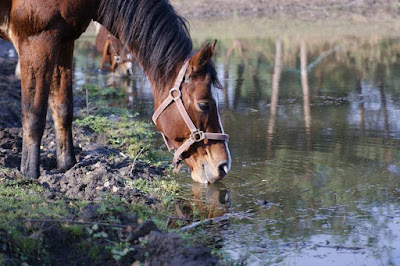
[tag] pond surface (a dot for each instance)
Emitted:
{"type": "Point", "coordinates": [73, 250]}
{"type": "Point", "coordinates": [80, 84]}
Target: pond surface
{"type": "Point", "coordinates": [315, 144]}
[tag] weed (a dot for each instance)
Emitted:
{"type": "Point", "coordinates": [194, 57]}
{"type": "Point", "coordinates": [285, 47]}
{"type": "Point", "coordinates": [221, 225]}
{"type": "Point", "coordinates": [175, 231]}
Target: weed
{"type": "Point", "coordinates": [163, 189]}
{"type": "Point", "coordinates": [4, 170]}
{"type": "Point", "coordinates": [98, 124]}
{"type": "Point", "coordinates": [120, 250]}
{"type": "Point", "coordinates": [95, 91]}
{"type": "Point", "coordinates": [134, 137]}
{"type": "Point", "coordinates": [75, 230]}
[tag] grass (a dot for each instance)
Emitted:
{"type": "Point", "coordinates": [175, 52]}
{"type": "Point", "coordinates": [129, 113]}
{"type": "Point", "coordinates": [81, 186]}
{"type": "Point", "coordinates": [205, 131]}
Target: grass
{"type": "Point", "coordinates": [165, 189]}
{"type": "Point", "coordinates": [289, 29]}
{"type": "Point", "coordinates": [106, 92]}
{"type": "Point", "coordinates": [31, 226]}
{"type": "Point", "coordinates": [23, 200]}
{"type": "Point", "coordinates": [135, 138]}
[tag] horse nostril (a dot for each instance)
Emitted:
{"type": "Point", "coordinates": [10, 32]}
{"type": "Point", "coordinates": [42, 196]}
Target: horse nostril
{"type": "Point", "coordinates": [223, 169]}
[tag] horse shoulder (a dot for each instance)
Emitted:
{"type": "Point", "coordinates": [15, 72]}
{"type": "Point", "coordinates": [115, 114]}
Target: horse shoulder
{"type": "Point", "coordinates": [64, 18]}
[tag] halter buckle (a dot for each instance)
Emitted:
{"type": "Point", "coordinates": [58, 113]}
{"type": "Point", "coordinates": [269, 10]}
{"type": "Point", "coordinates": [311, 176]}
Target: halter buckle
{"type": "Point", "coordinates": [197, 136]}
{"type": "Point", "coordinates": [171, 92]}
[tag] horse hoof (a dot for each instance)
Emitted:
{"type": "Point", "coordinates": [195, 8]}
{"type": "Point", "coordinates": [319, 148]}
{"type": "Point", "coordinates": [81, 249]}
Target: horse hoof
{"type": "Point", "coordinates": [65, 165]}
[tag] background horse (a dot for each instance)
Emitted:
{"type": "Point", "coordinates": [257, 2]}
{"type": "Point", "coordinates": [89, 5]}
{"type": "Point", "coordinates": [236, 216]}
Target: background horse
{"type": "Point", "coordinates": [43, 33]}
{"type": "Point", "coordinates": [114, 53]}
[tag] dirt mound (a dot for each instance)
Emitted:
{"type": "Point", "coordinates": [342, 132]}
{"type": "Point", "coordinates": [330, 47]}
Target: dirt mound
{"type": "Point", "coordinates": [100, 170]}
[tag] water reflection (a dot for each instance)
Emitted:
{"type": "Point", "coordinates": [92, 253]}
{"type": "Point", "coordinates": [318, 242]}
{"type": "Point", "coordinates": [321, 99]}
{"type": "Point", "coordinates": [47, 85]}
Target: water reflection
{"type": "Point", "coordinates": [326, 185]}
{"type": "Point", "coordinates": [204, 202]}
{"type": "Point", "coordinates": [315, 140]}
{"type": "Point", "coordinates": [306, 93]}
{"type": "Point", "coordinates": [276, 77]}
{"type": "Point", "coordinates": [212, 200]}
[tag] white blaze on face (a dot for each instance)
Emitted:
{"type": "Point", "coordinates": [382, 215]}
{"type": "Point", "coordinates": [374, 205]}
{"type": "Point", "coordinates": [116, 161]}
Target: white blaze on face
{"type": "Point", "coordinates": [215, 97]}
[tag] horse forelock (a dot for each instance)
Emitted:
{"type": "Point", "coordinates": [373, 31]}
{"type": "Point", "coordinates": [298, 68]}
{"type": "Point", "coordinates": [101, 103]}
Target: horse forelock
{"type": "Point", "coordinates": [152, 29]}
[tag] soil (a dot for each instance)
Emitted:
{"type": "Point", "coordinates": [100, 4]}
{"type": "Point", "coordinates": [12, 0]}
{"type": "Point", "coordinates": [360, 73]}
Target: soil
{"type": "Point", "coordinates": [101, 171]}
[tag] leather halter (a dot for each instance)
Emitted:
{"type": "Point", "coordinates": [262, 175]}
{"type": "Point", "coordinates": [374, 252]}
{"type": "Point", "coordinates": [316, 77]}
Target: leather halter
{"type": "Point", "coordinates": [196, 134]}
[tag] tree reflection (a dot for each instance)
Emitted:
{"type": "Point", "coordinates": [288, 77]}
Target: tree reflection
{"type": "Point", "coordinates": [274, 96]}
{"type": "Point", "coordinates": [238, 47]}
{"type": "Point", "coordinates": [306, 93]}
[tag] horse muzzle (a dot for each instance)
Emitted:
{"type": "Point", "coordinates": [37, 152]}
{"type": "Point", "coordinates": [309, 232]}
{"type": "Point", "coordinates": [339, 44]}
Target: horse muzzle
{"type": "Point", "coordinates": [210, 169]}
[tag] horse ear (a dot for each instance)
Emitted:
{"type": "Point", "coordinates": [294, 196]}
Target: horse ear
{"type": "Point", "coordinates": [203, 56]}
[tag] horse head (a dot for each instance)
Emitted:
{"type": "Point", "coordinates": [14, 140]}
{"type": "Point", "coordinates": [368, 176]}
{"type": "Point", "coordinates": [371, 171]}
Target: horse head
{"type": "Point", "coordinates": [197, 136]}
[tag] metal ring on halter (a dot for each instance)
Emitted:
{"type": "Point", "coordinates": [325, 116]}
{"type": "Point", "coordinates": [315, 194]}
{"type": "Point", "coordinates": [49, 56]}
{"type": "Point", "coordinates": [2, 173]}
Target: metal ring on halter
{"type": "Point", "coordinates": [197, 136]}
{"type": "Point", "coordinates": [171, 92]}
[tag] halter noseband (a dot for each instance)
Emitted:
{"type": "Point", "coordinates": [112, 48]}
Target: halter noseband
{"type": "Point", "coordinates": [196, 134]}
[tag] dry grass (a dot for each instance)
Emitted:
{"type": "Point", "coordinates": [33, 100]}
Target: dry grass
{"type": "Point", "coordinates": [310, 9]}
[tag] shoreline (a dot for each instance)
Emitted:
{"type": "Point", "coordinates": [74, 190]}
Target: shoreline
{"type": "Point", "coordinates": [292, 9]}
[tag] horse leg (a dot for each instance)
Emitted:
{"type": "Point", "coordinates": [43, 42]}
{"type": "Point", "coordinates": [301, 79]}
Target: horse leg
{"type": "Point", "coordinates": [35, 61]}
{"type": "Point", "coordinates": [61, 104]}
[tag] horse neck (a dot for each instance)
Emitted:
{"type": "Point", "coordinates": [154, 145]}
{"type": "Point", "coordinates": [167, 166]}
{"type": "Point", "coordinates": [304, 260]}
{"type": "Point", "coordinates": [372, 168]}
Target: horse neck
{"type": "Point", "coordinates": [135, 22]}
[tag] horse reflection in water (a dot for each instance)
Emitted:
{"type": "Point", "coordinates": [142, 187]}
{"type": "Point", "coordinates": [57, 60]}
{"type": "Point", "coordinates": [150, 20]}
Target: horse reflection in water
{"type": "Point", "coordinates": [207, 201]}
{"type": "Point", "coordinates": [213, 200]}
{"type": "Point", "coordinates": [43, 33]}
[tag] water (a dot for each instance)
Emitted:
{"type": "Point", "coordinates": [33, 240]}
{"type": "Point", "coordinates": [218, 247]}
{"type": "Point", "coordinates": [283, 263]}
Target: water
{"type": "Point", "coordinates": [315, 140]}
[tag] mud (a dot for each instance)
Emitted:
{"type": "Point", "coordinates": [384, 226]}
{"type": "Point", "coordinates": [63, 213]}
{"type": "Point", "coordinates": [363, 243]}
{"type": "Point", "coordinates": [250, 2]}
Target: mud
{"type": "Point", "coordinates": [101, 171]}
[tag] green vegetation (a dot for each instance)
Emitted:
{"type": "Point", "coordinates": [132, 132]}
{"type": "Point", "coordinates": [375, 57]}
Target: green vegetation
{"type": "Point", "coordinates": [37, 230]}
{"type": "Point", "coordinates": [22, 200]}
{"type": "Point", "coordinates": [135, 138]}
{"type": "Point", "coordinates": [165, 189]}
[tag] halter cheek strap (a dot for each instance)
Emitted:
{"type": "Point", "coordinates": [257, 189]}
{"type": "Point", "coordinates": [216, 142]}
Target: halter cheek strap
{"type": "Point", "coordinates": [196, 135]}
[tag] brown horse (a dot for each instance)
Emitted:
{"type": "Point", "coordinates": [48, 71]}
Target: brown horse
{"type": "Point", "coordinates": [43, 33]}
{"type": "Point", "coordinates": [114, 53]}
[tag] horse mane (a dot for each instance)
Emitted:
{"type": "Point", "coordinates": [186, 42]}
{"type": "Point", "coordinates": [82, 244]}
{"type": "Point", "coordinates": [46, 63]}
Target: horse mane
{"type": "Point", "coordinates": [157, 35]}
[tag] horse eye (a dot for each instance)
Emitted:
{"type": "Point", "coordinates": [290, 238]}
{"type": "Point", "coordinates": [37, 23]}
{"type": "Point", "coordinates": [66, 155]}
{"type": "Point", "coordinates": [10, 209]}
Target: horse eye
{"type": "Point", "coordinates": [205, 107]}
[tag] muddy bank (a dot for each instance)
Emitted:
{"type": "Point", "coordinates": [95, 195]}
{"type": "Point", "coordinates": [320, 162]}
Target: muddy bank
{"type": "Point", "coordinates": [98, 221]}
{"type": "Point", "coordinates": [310, 10]}
{"type": "Point", "coordinates": [103, 167]}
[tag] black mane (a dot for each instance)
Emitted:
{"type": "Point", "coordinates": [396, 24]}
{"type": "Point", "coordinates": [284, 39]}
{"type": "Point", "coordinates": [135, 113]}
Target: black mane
{"type": "Point", "coordinates": [152, 30]}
